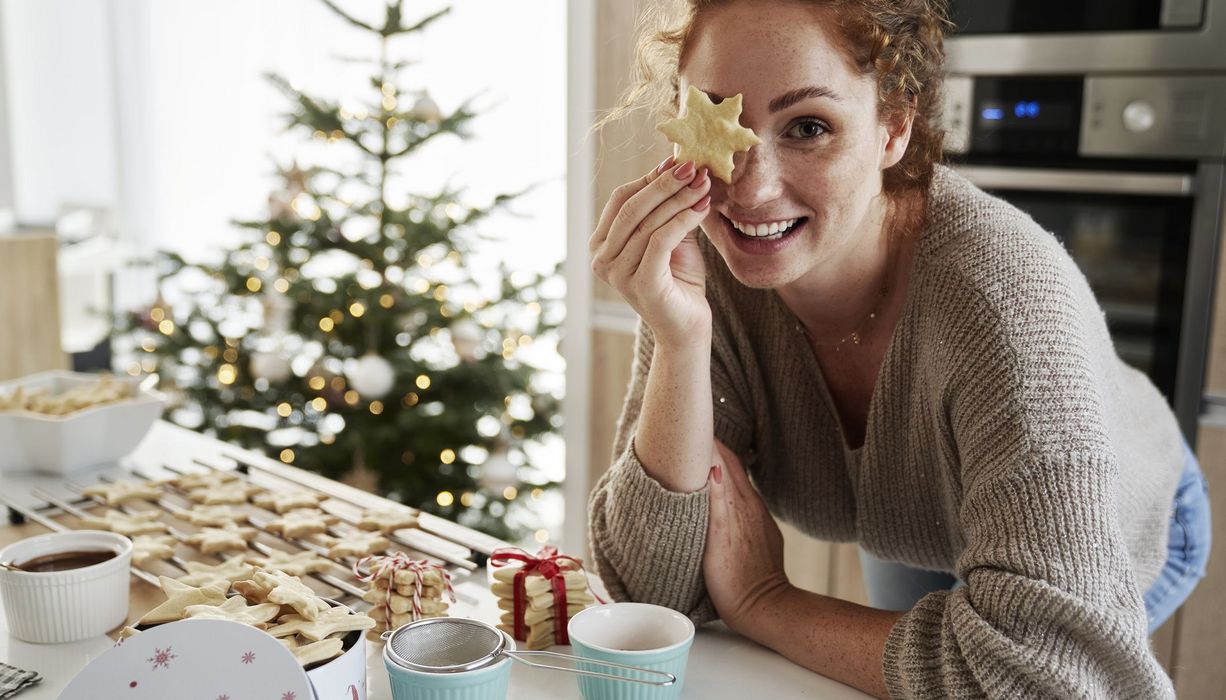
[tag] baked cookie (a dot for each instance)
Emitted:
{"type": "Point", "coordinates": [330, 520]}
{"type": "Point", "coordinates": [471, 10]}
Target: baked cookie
{"type": "Point", "coordinates": [181, 595]}
{"type": "Point", "coordinates": [148, 548]}
{"type": "Point", "coordinates": [327, 623]}
{"type": "Point", "coordinates": [388, 520]}
{"type": "Point", "coordinates": [121, 492]}
{"type": "Point", "coordinates": [211, 540]}
{"type": "Point", "coordinates": [283, 502]}
{"type": "Point", "coordinates": [213, 516]}
{"type": "Point", "coordinates": [355, 545]}
{"type": "Point", "coordinates": [301, 522]}
{"type": "Point", "coordinates": [231, 570]}
{"type": "Point", "coordinates": [709, 134]}
{"type": "Point", "coordinates": [142, 523]}
{"type": "Point", "coordinates": [292, 563]}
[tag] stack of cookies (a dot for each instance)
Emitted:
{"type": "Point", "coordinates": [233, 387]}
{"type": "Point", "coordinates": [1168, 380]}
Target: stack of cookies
{"type": "Point", "coordinates": [404, 590]}
{"type": "Point", "coordinates": [551, 590]}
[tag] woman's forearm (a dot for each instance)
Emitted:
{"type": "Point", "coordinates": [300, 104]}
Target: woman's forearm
{"type": "Point", "coordinates": [833, 637]}
{"type": "Point", "coordinates": [675, 429]}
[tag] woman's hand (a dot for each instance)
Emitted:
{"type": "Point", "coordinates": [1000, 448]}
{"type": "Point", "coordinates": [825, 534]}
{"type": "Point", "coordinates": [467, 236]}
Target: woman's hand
{"type": "Point", "coordinates": [743, 563]}
{"type": "Point", "coordinates": [646, 247]}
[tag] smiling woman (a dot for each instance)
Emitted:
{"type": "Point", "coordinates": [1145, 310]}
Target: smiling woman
{"type": "Point", "coordinates": [867, 346]}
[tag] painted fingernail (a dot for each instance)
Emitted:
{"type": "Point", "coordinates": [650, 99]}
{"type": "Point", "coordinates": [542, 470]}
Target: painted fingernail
{"type": "Point", "coordinates": [668, 163]}
{"type": "Point", "coordinates": [698, 181]}
{"type": "Point", "coordinates": [702, 204]}
{"type": "Point", "coordinates": [686, 171]}
{"type": "Point", "coordinates": [717, 474]}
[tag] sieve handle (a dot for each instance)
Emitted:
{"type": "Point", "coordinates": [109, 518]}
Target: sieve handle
{"type": "Point", "coordinates": [668, 678]}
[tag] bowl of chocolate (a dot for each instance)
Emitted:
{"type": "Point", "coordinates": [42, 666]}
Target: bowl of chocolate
{"type": "Point", "coordinates": [65, 586]}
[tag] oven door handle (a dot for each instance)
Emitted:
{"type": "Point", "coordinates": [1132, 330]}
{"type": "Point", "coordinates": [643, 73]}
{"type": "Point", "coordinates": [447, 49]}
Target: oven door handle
{"type": "Point", "coordinates": [1081, 181]}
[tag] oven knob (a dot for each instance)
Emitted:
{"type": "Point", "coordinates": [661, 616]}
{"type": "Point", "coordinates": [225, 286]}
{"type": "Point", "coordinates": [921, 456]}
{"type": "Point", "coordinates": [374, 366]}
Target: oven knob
{"type": "Point", "coordinates": [1139, 116]}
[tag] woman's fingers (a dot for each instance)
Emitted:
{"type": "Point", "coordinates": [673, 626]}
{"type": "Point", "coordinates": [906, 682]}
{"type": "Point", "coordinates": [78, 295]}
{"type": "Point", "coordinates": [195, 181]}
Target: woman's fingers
{"type": "Point", "coordinates": [648, 254]}
{"type": "Point", "coordinates": [618, 199]}
{"type": "Point", "coordinates": [632, 218]}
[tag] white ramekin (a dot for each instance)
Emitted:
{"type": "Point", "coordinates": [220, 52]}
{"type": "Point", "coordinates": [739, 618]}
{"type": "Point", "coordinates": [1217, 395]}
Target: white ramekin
{"type": "Point", "coordinates": [64, 606]}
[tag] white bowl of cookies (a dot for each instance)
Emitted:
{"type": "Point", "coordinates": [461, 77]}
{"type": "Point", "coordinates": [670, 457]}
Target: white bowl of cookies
{"type": "Point", "coordinates": [59, 422]}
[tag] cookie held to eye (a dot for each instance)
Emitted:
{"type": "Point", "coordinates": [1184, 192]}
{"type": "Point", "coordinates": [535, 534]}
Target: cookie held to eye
{"type": "Point", "coordinates": [710, 134]}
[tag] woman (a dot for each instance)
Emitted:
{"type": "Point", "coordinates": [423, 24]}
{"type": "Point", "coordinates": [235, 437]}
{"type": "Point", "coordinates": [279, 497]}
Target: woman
{"type": "Point", "coordinates": [902, 361]}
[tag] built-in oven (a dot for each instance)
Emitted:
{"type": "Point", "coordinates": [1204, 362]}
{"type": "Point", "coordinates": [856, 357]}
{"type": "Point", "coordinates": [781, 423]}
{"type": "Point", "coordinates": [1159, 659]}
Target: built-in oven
{"type": "Point", "coordinates": [1004, 37]}
{"type": "Point", "coordinates": [1128, 172]}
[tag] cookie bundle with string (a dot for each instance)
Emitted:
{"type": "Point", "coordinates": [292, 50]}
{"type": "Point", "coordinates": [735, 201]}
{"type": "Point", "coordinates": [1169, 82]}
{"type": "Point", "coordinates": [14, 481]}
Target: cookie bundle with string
{"type": "Point", "coordinates": [403, 590]}
{"type": "Point", "coordinates": [538, 594]}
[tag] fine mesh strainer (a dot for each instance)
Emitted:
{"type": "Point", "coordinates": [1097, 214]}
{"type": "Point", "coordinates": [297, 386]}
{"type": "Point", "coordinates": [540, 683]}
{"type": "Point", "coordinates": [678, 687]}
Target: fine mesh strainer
{"type": "Point", "coordinates": [454, 644]}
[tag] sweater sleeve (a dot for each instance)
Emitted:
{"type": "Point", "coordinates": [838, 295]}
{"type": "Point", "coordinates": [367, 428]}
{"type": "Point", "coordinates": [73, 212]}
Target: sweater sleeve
{"type": "Point", "coordinates": [1050, 607]}
{"type": "Point", "coordinates": [647, 542]}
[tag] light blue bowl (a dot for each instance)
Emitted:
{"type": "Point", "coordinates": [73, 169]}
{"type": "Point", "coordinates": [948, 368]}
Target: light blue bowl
{"type": "Point", "coordinates": [631, 634]}
{"type": "Point", "coordinates": [488, 683]}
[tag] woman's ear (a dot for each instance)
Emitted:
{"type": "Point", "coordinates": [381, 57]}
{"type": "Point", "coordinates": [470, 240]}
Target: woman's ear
{"type": "Point", "coordinates": [897, 136]}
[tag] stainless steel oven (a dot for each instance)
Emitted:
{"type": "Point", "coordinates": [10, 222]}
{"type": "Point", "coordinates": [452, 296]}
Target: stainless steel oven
{"type": "Point", "coordinates": [1004, 37]}
{"type": "Point", "coordinates": [1128, 172]}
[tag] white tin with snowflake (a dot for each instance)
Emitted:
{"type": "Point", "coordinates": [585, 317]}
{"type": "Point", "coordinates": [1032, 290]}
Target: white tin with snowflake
{"type": "Point", "coordinates": [343, 678]}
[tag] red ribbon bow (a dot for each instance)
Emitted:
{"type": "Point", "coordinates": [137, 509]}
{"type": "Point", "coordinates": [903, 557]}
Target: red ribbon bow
{"type": "Point", "coordinates": [387, 566]}
{"type": "Point", "coordinates": [549, 564]}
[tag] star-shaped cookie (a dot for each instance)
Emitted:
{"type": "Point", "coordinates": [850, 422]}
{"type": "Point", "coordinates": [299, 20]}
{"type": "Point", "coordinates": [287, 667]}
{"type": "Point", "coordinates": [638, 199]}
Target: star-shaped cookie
{"type": "Point", "coordinates": [123, 491]}
{"type": "Point", "coordinates": [387, 520]}
{"type": "Point", "coordinates": [231, 570]}
{"type": "Point", "coordinates": [236, 609]}
{"type": "Point", "coordinates": [288, 500]}
{"type": "Point", "coordinates": [294, 564]}
{"type": "Point", "coordinates": [290, 590]}
{"type": "Point", "coordinates": [355, 544]}
{"type": "Point", "coordinates": [710, 134]}
{"type": "Point", "coordinates": [301, 522]}
{"type": "Point", "coordinates": [232, 492]}
{"type": "Point", "coordinates": [207, 480]}
{"type": "Point", "coordinates": [211, 540]}
{"type": "Point", "coordinates": [213, 516]}
{"type": "Point", "coordinates": [308, 654]}
{"type": "Point", "coordinates": [327, 623]}
{"type": "Point", "coordinates": [181, 595]}
{"type": "Point", "coordinates": [147, 548]}
{"type": "Point", "coordinates": [141, 523]}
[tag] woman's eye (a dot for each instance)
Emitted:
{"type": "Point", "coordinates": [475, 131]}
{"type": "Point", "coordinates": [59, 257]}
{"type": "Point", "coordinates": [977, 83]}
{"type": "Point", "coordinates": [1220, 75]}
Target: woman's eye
{"type": "Point", "coordinates": [807, 129]}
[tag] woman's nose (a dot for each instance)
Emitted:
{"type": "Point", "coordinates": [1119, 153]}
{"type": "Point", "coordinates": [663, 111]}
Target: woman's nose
{"type": "Point", "coordinates": [755, 178]}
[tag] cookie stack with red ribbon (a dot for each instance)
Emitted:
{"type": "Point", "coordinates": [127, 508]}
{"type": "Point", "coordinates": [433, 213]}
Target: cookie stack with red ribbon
{"type": "Point", "coordinates": [404, 590]}
{"type": "Point", "coordinates": [538, 594]}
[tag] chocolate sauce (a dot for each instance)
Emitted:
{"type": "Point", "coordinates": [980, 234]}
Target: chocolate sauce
{"type": "Point", "coordinates": [64, 561]}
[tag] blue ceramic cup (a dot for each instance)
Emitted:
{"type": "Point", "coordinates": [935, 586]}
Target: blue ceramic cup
{"type": "Point", "coordinates": [632, 634]}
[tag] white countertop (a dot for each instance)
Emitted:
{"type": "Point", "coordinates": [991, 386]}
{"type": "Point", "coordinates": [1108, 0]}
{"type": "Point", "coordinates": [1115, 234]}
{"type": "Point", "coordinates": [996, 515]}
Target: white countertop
{"type": "Point", "coordinates": [722, 664]}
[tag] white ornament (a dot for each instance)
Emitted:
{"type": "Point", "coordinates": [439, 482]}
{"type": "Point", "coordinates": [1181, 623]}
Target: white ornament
{"type": "Point", "coordinates": [498, 473]}
{"type": "Point", "coordinates": [371, 376]}
{"type": "Point", "coordinates": [426, 109]}
{"type": "Point", "coordinates": [467, 335]}
{"type": "Point", "coordinates": [272, 364]}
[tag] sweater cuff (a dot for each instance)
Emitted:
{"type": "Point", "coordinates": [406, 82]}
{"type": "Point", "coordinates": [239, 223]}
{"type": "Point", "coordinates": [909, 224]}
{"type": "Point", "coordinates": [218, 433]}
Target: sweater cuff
{"type": "Point", "coordinates": [905, 661]}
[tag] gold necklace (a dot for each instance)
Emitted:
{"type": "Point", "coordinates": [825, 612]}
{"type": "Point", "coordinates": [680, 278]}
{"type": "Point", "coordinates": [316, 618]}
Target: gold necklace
{"type": "Point", "coordinates": [856, 336]}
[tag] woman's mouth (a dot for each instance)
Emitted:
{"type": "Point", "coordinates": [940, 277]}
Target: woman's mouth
{"type": "Point", "coordinates": [764, 239]}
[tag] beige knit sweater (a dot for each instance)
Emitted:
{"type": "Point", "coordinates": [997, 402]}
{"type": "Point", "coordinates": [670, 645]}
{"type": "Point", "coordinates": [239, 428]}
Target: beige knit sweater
{"type": "Point", "coordinates": [1006, 442]}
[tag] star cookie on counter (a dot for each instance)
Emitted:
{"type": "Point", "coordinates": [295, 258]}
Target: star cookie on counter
{"type": "Point", "coordinates": [181, 595]}
{"type": "Point", "coordinates": [387, 520]}
{"type": "Point", "coordinates": [288, 500]}
{"type": "Point", "coordinates": [284, 589]}
{"type": "Point", "coordinates": [709, 134]}
{"type": "Point", "coordinates": [142, 523]}
{"type": "Point", "coordinates": [234, 492]}
{"type": "Point", "coordinates": [211, 540]}
{"type": "Point", "coordinates": [301, 522]}
{"type": "Point", "coordinates": [147, 548]}
{"type": "Point", "coordinates": [121, 492]}
{"type": "Point", "coordinates": [292, 563]}
{"type": "Point", "coordinates": [213, 516]}
{"type": "Point", "coordinates": [355, 544]}
{"type": "Point", "coordinates": [231, 570]}
{"type": "Point", "coordinates": [538, 594]}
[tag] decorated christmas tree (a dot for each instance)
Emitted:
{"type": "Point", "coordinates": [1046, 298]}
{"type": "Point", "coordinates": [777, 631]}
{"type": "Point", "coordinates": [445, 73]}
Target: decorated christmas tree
{"type": "Point", "coordinates": [349, 335]}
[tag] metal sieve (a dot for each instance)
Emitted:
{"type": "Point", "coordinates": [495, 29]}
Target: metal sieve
{"type": "Point", "coordinates": [455, 644]}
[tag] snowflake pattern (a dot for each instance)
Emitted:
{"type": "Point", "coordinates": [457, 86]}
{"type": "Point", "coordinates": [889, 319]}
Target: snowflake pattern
{"type": "Point", "coordinates": [161, 658]}
{"type": "Point", "coordinates": [223, 697]}
{"type": "Point", "coordinates": [288, 695]}
{"type": "Point", "coordinates": [249, 657]}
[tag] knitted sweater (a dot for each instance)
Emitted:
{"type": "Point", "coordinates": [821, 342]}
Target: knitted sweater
{"type": "Point", "coordinates": [1006, 442]}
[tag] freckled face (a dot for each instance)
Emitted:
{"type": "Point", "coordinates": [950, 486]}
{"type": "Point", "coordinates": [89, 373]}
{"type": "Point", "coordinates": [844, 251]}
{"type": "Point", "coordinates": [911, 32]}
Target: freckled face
{"type": "Point", "coordinates": [820, 158]}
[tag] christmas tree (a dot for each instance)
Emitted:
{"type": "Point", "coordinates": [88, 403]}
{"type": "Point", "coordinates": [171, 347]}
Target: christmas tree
{"type": "Point", "coordinates": [348, 334]}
